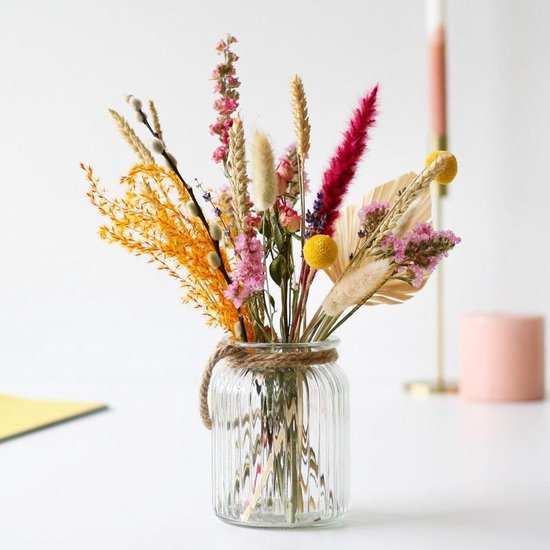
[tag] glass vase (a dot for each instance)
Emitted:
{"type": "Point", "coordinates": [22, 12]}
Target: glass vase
{"type": "Point", "coordinates": [281, 441]}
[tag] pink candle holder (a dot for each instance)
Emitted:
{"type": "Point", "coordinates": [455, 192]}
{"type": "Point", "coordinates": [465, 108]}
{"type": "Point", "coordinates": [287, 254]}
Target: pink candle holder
{"type": "Point", "coordinates": [502, 357]}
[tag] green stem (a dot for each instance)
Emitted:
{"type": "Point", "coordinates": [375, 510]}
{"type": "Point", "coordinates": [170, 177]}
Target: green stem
{"type": "Point", "coordinates": [268, 304]}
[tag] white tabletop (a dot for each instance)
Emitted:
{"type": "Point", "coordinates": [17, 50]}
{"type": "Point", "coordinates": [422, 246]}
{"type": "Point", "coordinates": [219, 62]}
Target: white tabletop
{"type": "Point", "coordinates": [427, 473]}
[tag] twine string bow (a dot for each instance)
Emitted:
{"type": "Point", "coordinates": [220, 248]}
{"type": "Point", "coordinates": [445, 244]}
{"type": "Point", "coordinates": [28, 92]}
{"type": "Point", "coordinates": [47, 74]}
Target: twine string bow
{"type": "Point", "coordinates": [239, 358]}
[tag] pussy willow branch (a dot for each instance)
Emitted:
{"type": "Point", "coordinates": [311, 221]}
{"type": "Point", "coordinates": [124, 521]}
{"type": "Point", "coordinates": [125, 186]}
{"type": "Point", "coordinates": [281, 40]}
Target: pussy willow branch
{"type": "Point", "coordinates": [201, 215]}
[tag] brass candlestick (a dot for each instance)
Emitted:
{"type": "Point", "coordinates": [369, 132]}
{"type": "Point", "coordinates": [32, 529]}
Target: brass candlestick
{"type": "Point", "coordinates": [436, 30]}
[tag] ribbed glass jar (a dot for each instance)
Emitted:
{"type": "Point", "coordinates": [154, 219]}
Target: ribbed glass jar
{"type": "Point", "coordinates": [281, 441]}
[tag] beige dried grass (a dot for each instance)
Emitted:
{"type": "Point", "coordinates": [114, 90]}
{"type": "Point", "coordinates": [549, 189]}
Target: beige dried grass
{"type": "Point", "coordinates": [238, 177]}
{"type": "Point", "coordinates": [264, 180]}
{"type": "Point", "coordinates": [131, 138]}
{"type": "Point", "coordinates": [302, 128]}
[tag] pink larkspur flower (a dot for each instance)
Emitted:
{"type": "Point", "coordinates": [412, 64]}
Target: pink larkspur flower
{"type": "Point", "coordinates": [219, 154]}
{"type": "Point", "coordinates": [233, 81]}
{"type": "Point", "coordinates": [216, 129]}
{"type": "Point", "coordinates": [221, 46]}
{"type": "Point", "coordinates": [253, 221]}
{"type": "Point", "coordinates": [218, 71]}
{"type": "Point", "coordinates": [226, 86]}
{"type": "Point", "coordinates": [225, 106]}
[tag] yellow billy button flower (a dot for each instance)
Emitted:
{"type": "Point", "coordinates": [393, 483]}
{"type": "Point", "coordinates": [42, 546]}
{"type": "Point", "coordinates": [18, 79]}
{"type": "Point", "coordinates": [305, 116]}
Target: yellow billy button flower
{"type": "Point", "coordinates": [448, 175]}
{"type": "Point", "coordinates": [320, 251]}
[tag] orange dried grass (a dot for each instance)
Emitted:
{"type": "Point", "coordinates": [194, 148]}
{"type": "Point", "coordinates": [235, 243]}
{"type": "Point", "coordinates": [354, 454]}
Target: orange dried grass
{"type": "Point", "coordinates": [149, 220]}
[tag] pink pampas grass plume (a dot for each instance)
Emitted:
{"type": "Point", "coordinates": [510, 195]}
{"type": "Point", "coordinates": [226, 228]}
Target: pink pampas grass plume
{"type": "Point", "coordinates": [343, 165]}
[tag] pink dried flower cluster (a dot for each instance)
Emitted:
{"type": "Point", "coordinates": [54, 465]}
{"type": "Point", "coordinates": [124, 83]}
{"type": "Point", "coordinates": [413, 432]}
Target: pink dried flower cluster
{"type": "Point", "coordinates": [419, 251]}
{"type": "Point", "coordinates": [371, 216]}
{"type": "Point", "coordinates": [289, 218]}
{"type": "Point", "coordinates": [253, 222]}
{"type": "Point", "coordinates": [287, 174]}
{"type": "Point", "coordinates": [226, 85]}
{"type": "Point", "coordinates": [249, 273]}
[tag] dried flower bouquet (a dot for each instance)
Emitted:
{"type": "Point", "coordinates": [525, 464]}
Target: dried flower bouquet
{"type": "Point", "coordinates": [247, 253]}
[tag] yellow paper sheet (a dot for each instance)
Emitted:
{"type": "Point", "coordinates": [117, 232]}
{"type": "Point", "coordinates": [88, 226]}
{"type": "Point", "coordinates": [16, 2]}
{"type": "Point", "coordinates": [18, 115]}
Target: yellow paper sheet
{"type": "Point", "coordinates": [19, 415]}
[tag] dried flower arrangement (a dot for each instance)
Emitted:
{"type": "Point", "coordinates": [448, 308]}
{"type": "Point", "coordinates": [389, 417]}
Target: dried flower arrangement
{"type": "Point", "coordinates": [232, 248]}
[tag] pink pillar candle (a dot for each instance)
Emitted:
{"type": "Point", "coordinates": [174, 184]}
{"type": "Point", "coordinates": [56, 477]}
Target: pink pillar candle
{"type": "Point", "coordinates": [435, 10]}
{"type": "Point", "coordinates": [502, 357]}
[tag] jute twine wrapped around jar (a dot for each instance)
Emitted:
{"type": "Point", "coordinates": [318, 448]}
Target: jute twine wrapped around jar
{"type": "Point", "coordinates": [237, 357]}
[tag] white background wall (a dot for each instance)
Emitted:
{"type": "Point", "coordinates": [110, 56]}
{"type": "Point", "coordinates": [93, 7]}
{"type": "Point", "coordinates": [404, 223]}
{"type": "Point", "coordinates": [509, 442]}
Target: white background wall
{"type": "Point", "coordinates": [72, 306]}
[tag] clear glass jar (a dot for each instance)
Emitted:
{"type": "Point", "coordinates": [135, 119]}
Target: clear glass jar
{"type": "Point", "coordinates": [280, 440]}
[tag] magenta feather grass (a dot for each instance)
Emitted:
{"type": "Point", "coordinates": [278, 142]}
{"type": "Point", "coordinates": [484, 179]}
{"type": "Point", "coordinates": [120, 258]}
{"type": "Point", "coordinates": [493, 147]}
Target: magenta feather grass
{"type": "Point", "coordinates": [343, 165]}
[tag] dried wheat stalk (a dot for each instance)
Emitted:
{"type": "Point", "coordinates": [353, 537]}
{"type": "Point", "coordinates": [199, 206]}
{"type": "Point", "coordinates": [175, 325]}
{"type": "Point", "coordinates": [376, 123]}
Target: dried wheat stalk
{"type": "Point", "coordinates": [238, 176]}
{"type": "Point", "coordinates": [132, 139]}
{"type": "Point", "coordinates": [301, 117]}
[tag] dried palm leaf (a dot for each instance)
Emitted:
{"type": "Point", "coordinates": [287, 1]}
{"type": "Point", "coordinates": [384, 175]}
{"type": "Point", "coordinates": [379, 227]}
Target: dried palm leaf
{"type": "Point", "coordinates": [347, 228]}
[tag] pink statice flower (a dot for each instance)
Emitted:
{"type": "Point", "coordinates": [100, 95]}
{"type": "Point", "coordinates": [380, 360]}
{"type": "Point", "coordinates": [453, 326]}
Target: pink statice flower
{"type": "Point", "coordinates": [394, 246]}
{"type": "Point", "coordinates": [249, 273]}
{"type": "Point", "coordinates": [419, 252]}
{"type": "Point", "coordinates": [371, 216]}
{"type": "Point", "coordinates": [372, 208]}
